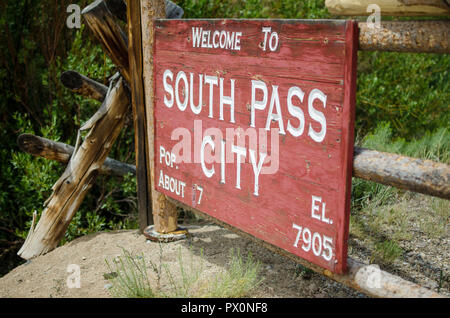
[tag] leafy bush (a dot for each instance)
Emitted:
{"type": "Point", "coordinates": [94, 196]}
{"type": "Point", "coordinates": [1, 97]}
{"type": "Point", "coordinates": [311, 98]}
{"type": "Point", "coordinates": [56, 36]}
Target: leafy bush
{"type": "Point", "coordinates": [35, 48]}
{"type": "Point", "coordinates": [410, 91]}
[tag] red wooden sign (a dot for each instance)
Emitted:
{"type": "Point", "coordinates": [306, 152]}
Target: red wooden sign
{"type": "Point", "coordinates": [254, 126]}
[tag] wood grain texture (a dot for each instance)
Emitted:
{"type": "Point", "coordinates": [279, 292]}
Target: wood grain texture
{"type": "Point", "coordinates": [406, 36]}
{"type": "Point", "coordinates": [165, 214]}
{"type": "Point", "coordinates": [319, 54]}
{"type": "Point", "coordinates": [424, 176]}
{"type": "Point", "coordinates": [139, 116]}
{"type": "Point", "coordinates": [79, 176]}
{"type": "Point", "coordinates": [61, 152]}
{"type": "Point", "coordinates": [153, 207]}
{"type": "Point", "coordinates": [390, 7]}
{"type": "Point", "coordinates": [83, 85]}
{"type": "Point", "coordinates": [113, 40]}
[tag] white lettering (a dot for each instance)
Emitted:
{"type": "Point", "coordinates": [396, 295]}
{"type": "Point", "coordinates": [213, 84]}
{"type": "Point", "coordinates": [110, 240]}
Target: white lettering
{"type": "Point", "coordinates": [227, 100]}
{"type": "Point", "coordinates": [296, 111]}
{"type": "Point", "coordinates": [275, 99]}
{"type": "Point", "coordinates": [168, 88]}
{"type": "Point", "coordinates": [196, 35]}
{"type": "Point", "coordinates": [266, 31]}
{"type": "Point", "coordinates": [240, 152]}
{"type": "Point", "coordinates": [207, 140]}
{"type": "Point", "coordinates": [316, 115]}
{"type": "Point", "coordinates": [211, 80]}
{"type": "Point", "coordinates": [181, 76]}
{"type": "Point", "coordinates": [256, 168]}
{"type": "Point", "coordinates": [196, 109]}
{"type": "Point", "coordinates": [260, 105]}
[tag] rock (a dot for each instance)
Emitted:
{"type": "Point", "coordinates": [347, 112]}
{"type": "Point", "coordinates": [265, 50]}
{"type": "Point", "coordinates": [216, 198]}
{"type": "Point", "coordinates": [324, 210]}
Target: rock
{"type": "Point", "coordinates": [108, 286]}
{"type": "Point", "coordinates": [312, 287]}
{"type": "Point", "coordinates": [431, 285]}
{"type": "Point", "coordinates": [321, 295]}
{"type": "Point", "coordinates": [110, 275]}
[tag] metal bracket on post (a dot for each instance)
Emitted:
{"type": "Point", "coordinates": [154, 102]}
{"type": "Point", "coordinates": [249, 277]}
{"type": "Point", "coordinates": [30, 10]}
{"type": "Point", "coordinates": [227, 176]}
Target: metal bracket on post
{"type": "Point", "coordinates": [180, 234]}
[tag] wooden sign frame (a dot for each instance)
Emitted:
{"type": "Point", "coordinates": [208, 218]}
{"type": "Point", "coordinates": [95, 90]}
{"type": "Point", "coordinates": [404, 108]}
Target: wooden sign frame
{"type": "Point", "coordinates": [346, 39]}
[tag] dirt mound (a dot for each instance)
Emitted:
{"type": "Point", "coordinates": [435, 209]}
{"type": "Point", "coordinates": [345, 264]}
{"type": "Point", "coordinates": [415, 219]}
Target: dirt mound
{"type": "Point", "coordinates": [47, 275]}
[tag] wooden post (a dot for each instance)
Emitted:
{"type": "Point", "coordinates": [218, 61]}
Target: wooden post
{"type": "Point", "coordinates": [389, 7]}
{"type": "Point", "coordinates": [165, 213]}
{"type": "Point", "coordinates": [153, 206]}
{"type": "Point", "coordinates": [79, 176]}
{"type": "Point", "coordinates": [139, 116]}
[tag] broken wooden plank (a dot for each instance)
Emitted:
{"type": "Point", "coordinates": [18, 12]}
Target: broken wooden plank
{"type": "Point", "coordinates": [83, 85]}
{"type": "Point", "coordinates": [61, 152]}
{"type": "Point", "coordinates": [405, 36]}
{"type": "Point", "coordinates": [113, 40]}
{"type": "Point", "coordinates": [389, 7]}
{"type": "Point", "coordinates": [79, 176]}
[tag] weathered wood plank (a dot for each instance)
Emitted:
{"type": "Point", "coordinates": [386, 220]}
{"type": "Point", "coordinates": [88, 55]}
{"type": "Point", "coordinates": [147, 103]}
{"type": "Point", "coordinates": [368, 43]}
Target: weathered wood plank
{"type": "Point", "coordinates": [151, 211]}
{"type": "Point", "coordinates": [390, 7]}
{"type": "Point", "coordinates": [139, 115]}
{"type": "Point", "coordinates": [79, 176]}
{"type": "Point", "coordinates": [113, 40]}
{"type": "Point", "coordinates": [83, 85]}
{"type": "Point", "coordinates": [165, 214]}
{"type": "Point", "coordinates": [275, 202]}
{"type": "Point", "coordinates": [406, 36]}
{"type": "Point", "coordinates": [367, 279]}
{"type": "Point", "coordinates": [61, 152]}
{"type": "Point", "coordinates": [424, 176]}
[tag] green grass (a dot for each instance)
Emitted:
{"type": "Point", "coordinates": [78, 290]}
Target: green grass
{"type": "Point", "coordinates": [432, 146]}
{"type": "Point", "coordinates": [241, 277]}
{"type": "Point", "coordinates": [386, 252]}
{"type": "Point", "coordinates": [130, 277]}
{"type": "Point", "coordinates": [383, 216]}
